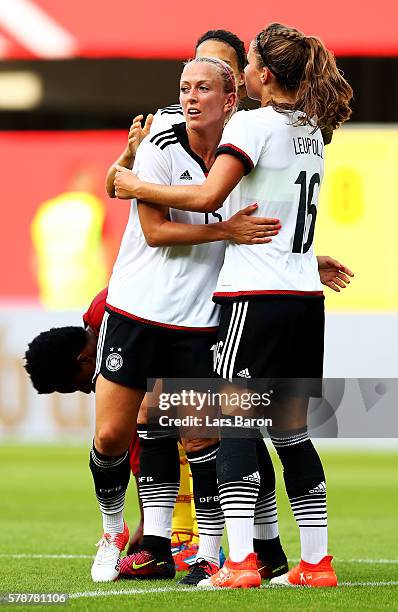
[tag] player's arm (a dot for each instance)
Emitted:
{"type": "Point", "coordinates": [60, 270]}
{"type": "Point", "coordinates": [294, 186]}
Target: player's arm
{"type": "Point", "coordinates": [333, 274]}
{"type": "Point", "coordinates": [241, 228]}
{"type": "Point", "coordinates": [126, 160]}
{"type": "Point", "coordinates": [224, 175]}
{"type": "Point", "coordinates": [239, 150]}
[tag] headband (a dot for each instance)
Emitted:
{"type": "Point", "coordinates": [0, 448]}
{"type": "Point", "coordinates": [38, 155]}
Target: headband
{"type": "Point", "coordinates": [224, 66]}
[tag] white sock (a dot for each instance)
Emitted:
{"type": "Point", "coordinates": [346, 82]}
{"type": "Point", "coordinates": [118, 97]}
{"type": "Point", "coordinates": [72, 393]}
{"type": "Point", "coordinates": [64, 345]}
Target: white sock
{"type": "Point", "coordinates": [314, 543]}
{"type": "Point", "coordinates": [266, 517]}
{"type": "Point", "coordinates": [240, 537]}
{"type": "Point", "coordinates": [209, 549]}
{"type": "Point", "coordinates": [157, 521]}
{"type": "Point", "coordinates": [266, 532]}
{"type": "Point", "coordinates": [113, 523]}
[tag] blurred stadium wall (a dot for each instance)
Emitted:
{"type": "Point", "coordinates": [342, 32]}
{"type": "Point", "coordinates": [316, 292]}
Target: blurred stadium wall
{"type": "Point", "coordinates": [72, 76]}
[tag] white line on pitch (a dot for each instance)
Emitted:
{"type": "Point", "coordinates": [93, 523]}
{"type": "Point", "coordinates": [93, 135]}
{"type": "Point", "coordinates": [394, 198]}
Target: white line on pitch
{"type": "Point", "coordinates": [371, 561]}
{"type": "Point", "coordinates": [381, 583]}
{"type": "Point", "coordinates": [65, 556]}
{"type": "Point", "coordinates": [88, 594]}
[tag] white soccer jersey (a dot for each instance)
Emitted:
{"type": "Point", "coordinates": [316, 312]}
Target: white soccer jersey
{"type": "Point", "coordinates": [168, 286]}
{"type": "Point", "coordinates": [166, 117]}
{"type": "Point", "coordinates": [284, 169]}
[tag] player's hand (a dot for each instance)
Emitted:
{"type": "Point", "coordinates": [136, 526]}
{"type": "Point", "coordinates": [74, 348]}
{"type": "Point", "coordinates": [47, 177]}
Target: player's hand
{"type": "Point", "coordinates": [136, 538]}
{"type": "Point", "coordinates": [244, 229]}
{"type": "Point", "coordinates": [125, 183]}
{"type": "Point", "coordinates": [334, 274]}
{"type": "Point", "coordinates": [137, 133]}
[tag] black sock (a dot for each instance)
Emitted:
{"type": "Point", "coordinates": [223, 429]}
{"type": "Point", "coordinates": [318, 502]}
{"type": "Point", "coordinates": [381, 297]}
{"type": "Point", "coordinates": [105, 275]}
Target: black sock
{"type": "Point", "coordinates": [111, 476]}
{"type": "Point", "coordinates": [159, 484]}
{"type": "Point", "coordinates": [305, 485]}
{"type": "Point", "coordinates": [159, 546]}
{"type": "Point", "coordinates": [209, 516]}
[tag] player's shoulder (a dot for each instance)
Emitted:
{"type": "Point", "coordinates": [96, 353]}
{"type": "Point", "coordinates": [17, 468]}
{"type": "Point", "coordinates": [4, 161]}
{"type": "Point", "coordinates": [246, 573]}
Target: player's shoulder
{"type": "Point", "coordinates": [267, 121]}
{"type": "Point", "coordinates": [173, 109]}
{"type": "Point", "coordinates": [268, 115]}
{"type": "Point", "coordinates": [176, 134]}
{"type": "Point", "coordinates": [162, 138]}
{"type": "Point", "coordinates": [239, 115]}
{"type": "Point", "coordinates": [166, 117]}
{"type": "Point", "coordinates": [245, 118]}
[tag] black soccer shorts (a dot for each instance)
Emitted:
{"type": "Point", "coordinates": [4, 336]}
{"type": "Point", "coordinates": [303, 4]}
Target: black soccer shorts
{"type": "Point", "coordinates": [130, 352]}
{"type": "Point", "coordinates": [278, 341]}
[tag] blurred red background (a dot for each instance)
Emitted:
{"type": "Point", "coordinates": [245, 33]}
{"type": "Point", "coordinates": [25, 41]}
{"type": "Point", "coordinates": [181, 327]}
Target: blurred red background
{"type": "Point", "coordinates": [167, 29]}
{"type": "Point", "coordinates": [38, 166]}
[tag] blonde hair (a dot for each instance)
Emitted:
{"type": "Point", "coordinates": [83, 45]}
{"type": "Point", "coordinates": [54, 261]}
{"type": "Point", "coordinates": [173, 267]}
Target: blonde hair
{"type": "Point", "coordinates": [226, 74]}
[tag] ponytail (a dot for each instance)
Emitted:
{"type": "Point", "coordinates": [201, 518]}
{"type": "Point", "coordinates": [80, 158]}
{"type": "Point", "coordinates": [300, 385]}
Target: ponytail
{"type": "Point", "coordinates": [303, 64]}
{"type": "Point", "coordinates": [323, 92]}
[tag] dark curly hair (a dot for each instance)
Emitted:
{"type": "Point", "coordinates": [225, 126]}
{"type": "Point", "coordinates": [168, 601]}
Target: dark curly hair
{"type": "Point", "coordinates": [51, 358]}
{"type": "Point", "coordinates": [229, 39]}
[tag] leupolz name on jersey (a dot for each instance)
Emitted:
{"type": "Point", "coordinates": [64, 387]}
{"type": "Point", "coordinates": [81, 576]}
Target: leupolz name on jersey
{"type": "Point", "coordinates": [308, 146]}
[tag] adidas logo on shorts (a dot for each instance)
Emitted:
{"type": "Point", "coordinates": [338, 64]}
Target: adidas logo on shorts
{"type": "Point", "coordinates": [244, 373]}
{"type": "Point", "coordinates": [185, 176]}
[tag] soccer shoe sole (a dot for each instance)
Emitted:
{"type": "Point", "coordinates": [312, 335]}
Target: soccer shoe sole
{"type": "Point", "coordinates": [109, 577]}
{"type": "Point", "coordinates": [240, 582]}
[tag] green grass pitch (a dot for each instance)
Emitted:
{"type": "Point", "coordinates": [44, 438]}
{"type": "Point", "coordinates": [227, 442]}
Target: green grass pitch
{"type": "Point", "coordinates": [47, 507]}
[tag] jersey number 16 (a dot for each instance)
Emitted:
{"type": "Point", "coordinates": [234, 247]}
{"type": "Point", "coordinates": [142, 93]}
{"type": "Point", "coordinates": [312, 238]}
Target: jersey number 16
{"type": "Point", "coordinates": [306, 208]}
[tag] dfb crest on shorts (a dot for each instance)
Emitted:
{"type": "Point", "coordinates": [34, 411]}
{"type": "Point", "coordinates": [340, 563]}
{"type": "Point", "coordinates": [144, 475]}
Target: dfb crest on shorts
{"type": "Point", "coordinates": [114, 361]}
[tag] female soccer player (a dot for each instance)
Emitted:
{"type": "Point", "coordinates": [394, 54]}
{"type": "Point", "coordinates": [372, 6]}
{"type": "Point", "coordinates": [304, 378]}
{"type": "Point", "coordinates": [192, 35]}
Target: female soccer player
{"type": "Point", "coordinates": [220, 44]}
{"type": "Point", "coordinates": [272, 315]}
{"type": "Point", "coordinates": [228, 47]}
{"type": "Point", "coordinates": [160, 321]}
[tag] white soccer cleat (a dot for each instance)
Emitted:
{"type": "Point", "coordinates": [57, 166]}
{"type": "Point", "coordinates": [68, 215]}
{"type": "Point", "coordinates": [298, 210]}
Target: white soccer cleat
{"type": "Point", "coordinates": [107, 560]}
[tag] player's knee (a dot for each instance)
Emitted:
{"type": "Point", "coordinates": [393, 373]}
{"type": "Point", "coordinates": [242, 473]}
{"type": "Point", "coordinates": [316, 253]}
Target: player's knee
{"type": "Point", "coordinates": [111, 441]}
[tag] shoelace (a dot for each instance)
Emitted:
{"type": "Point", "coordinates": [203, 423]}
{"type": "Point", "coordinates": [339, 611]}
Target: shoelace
{"type": "Point", "coordinates": [105, 549]}
{"type": "Point", "coordinates": [105, 540]}
{"type": "Point", "coordinates": [223, 575]}
{"type": "Point", "coordinates": [199, 567]}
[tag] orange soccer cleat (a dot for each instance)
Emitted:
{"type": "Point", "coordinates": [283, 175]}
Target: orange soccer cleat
{"type": "Point", "coordinates": [319, 574]}
{"type": "Point", "coordinates": [233, 575]}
